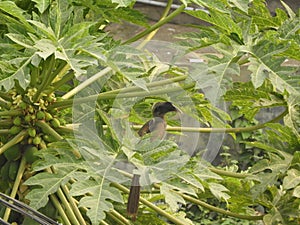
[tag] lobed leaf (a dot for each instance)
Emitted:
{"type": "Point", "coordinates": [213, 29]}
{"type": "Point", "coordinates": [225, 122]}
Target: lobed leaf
{"type": "Point", "coordinates": [96, 196]}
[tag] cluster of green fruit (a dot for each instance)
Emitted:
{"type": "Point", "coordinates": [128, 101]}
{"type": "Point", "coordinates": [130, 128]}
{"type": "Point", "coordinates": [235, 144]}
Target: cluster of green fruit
{"type": "Point", "coordinates": [25, 116]}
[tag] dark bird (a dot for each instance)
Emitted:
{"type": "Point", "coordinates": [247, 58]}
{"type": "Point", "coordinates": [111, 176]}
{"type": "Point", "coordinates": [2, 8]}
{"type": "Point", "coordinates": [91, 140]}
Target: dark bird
{"type": "Point", "coordinates": [157, 128]}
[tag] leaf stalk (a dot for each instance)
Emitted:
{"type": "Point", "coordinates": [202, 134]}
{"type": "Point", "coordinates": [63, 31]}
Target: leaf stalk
{"type": "Point", "coordinates": [157, 25]}
{"type": "Point", "coordinates": [16, 186]}
{"type": "Point", "coordinates": [15, 140]}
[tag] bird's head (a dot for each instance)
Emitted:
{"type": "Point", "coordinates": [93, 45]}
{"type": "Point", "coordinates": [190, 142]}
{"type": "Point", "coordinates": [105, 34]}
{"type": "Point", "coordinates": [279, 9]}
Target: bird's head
{"type": "Point", "coordinates": [161, 108]}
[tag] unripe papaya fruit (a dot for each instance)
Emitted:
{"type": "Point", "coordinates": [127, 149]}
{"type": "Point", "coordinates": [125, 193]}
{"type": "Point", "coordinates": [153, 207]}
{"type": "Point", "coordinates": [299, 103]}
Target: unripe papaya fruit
{"type": "Point", "coordinates": [5, 171]}
{"type": "Point", "coordinates": [55, 122]}
{"type": "Point", "coordinates": [13, 153]}
{"type": "Point", "coordinates": [15, 129]}
{"type": "Point", "coordinates": [40, 115]}
{"type": "Point", "coordinates": [13, 170]}
{"type": "Point", "coordinates": [27, 118]}
{"type": "Point", "coordinates": [48, 138]}
{"type": "Point", "coordinates": [17, 121]}
{"type": "Point", "coordinates": [31, 132]}
{"type": "Point", "coordinates": [23, 105]}
{"type": "Point", "coordinates": [36, 140]}
{"type": "Point", "coordinates": [48, 116]}
{"type": "Point", "coordinates": [29, 154]}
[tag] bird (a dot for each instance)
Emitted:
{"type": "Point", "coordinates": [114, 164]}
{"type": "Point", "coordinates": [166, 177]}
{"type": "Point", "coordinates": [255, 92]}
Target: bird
{"type": "Point", "coordinates": [157, 129]}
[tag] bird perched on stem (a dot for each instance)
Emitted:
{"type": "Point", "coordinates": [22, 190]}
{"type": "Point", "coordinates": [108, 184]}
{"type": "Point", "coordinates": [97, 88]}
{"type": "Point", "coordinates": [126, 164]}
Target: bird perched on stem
{"type": "Point", "coordinates": [157, 128]}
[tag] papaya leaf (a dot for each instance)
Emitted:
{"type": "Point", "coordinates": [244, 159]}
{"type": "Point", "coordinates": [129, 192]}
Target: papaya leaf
{"type": "Point", "coordinates": [123, 3]}
{"type": "Point", "coordinates": [296, 192]}
{"type": "Point", "coordinates": [219, 191]}
{"type": "Point", "coordinates": [242, 5]}
{"type": "Point", "coordinates": [292, 119]}
{"type": "Point", "coordinates": [221, 69]}
{"type": "Point", "coordinates": [10, 8]}
{"type": "Point", "coordinates": [266, 64]}
{"type": "Point", "coordinates": [171, 197]}
{"type": "Point", "coordinates": [42, 5]}
{"type": "Point", "coordinates": [96, 196]}
{"type": "Point", "coordinates": [47, 184]}
{"type": "Point", "coordinates": [21, 74]}
{"type": "Point", "coordinates": [221, 20]}
{"type": "Point", "coordinates": [292, 179]}
{"type": "Point", "coordinates": [217, 4]}
{"type": "Point", "coordinates": [269, 170]}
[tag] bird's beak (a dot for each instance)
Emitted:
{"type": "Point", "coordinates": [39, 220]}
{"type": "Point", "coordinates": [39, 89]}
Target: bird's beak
{"type": "Point", "coordinates": [177, 110]}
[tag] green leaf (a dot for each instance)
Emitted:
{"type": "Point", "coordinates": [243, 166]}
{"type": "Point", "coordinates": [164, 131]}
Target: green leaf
{"type": "Point", "coordinates": [47, 31]}
{"type": "Point", "coordinates": [288, 9]}
{"type": "Point", "coordinates": [42, 5]}
{"type": "Point", "coordinates": [123, 3]}
{"type": "Point", "coordinates": [9, 7]}
{"type": "Point", "coordinates": [21, 74]}
{"type": "Point", "coordinates": [20, 40]}
{"type": "Point", "coordinates": [45, 48]}
{"type": "Point", "coordinates": [219, 191]}
{"type": "Point", "coordinates": [172, 198]}
{"type": "Point", "coordinates": [292, 179]}
{"type": "Point", "coordinates": [221, 20]}
{"type": "Point", "coordinates": [242, 5]}
{"type": "Point", "coordinates": [292, 119]}
{"type": "Point", "coordinates": [191, 179]}
{"type": "Point", "coordinates": [97, 196]}
{"type": "Point", "coordinates": [296, 192]}
{"type": "Point", "coordinates": [220, 5]}
{"type": "Point", "coordinates": [47, 184]}
{"type": "Point", "coordinates": [266, 64]}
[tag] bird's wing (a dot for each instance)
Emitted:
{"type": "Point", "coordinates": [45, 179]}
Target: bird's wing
{"type": "Point", "coordinates": [144, 129]}
{"type": "Point", "coordinates": [157, 127]}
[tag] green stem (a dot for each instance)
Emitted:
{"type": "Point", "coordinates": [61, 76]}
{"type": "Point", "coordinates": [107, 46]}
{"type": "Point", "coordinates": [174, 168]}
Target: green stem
{"type": "Point", "coordinates": [68, 207]}
{"type": "Point", "coordinates": [11, 113]}
{"type": "Point", "coordinates": [34, 76]}
{"type": "Point", "coordinates": [4, 104]}
{"type": "Point", "coordinates": [115, 218]}
{"type": "Point", "coordinates": [218, 130]}
{"type": "Point", "coordinates": [157, 25]}
{"type": "Point", "coordinates": [218, 210]}
{"type": "Point", "coordinates": [149, 85]}
{"type": "Point", "coordinates": [6, 123]}
{"type": "Point", "coordinates": [228, 130]}
{"type": "Point", "coordinates": [60, 210]}
{"type": "Point", "coordinates": [103, 222]}
{"type": "Point", "coordinates": [60, 82]}
{"type": "Point", "coordinates": [105, 96]}
{"type": "Point", "coordinates": [48, 130]}
{"type": "Point", "coordinates": [47, 76]}
{"type": "Point", "coordinates": [152, 206]}
{"type": "Point", "coordinates": [5, 96]}
{"type": "Point", "coordinates": [64, 129]}
{"type": "Point", "coordinates": [73, 205]}
{"type": "Point", "coordinates": [68, 103]}
{"type": "Point", "coordinates": [228, 173]}
{"type": "Point", "coordinates": [120, 217]}
{"type": "Point", "coordinates": [152, 34]}
{"type": "Point", "coordinates": [15, 140]}
{"type": "Point", "coordinates": [60, 72]}
{"type": "Point", "coordinates": [4, 131]}
{"type": "Point", "coordinates": [16, 186]}
{"type": "Point", "coordinates": [213, 208]}
{"type": "Point", "coordinates": [87, 83]}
